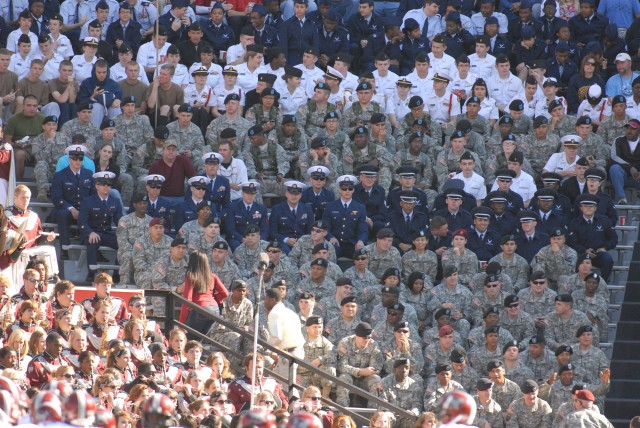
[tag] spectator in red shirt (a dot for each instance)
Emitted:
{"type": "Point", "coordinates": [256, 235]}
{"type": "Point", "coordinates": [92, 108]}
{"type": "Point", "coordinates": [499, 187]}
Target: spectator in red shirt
{"type": "Point", "coordinates": [202, 288]}
{"type": "Point", "coordinates": [175, 169]}
{"type": "Point", "coordinates": [238, 15]}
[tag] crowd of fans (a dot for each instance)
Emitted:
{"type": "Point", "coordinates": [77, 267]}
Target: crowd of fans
{"type": "Point", "coordinates": [419, 185]}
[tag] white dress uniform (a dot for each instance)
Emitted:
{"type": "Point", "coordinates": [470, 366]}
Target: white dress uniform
{"type": "Point", "coordinates": [309, 77]}
{"type": "Point", "coordinates": [68, 11]}
{"type": "Point", "coordinates": [82, 68]}
{"type": "Point", "coordinates": [181, 75]}
{"type": "Point", "coordinates": [12, 40]}
{"type": "Point", "coordinates": [478, 20]}
{"type": "Point", "coordinates": [633, 108]}
{"type": "Point", "coordinates": [523, 185]}
{"type": "Point", "coordinates": [278, 73]}
{"type": "Point", "coordinates": [234, 53]}
{"type": "Point", "coordinates": [558, 163]}
{"type": "Point", "coordinates": [542, 107]}
{"type": "Point", "coordinates": [346, 98]}
{"type": "Point", "coordinates": [503, 90]}
{"type": "Point", "coordinates": [597, 113]}
{"type": "Point", "coordinates": [445, 65]}
{"type": "Point", "coordinates": [396, 105]}
{"type": "Point", "coordinates": [145, 14]}
{"type": "Point", "coordinates": [205, 96]}
{"type": "Point", "coordinates": [147, 55]}
{"type": "Point", "coordinates": [442, 108]}
{"type": "Point", "coordinates": [435, 25]}
{"type": "Point", "coordinates": [386, 85]}
{"type": "Point", "coordinates": [221, 93]}
{"type": "Point", "coordinates": [64, 49]}
{"type": "Point", "coordinates": [236, 173]}
{"type": "Point", "coordinates": [483, 67]}
{"type": "Point", "coordinates": [488, 109]}
{"type": "Point", "coordinates": [84, 30]}
{"type": "Point", "coordinates": [117, 72]}
{"type": "Point", "coordinates": [215, 74]}
{"type": "Point", "coordinates": [51, 68]}
{"type": "Point", "coordinates": [473, 185]}
{"type": "Point", "coordinates": [289, 103]}
{"type": "Point", "coordinates": [349, 82]}
{"type": "Point", "coordinates": [247, 80]}
{"type": "Point", "coordinates": [114, 7]}
{"type": "Point", "coordinates": [20, 65]}
{"type": "Point", "coordinates": [420, 86]}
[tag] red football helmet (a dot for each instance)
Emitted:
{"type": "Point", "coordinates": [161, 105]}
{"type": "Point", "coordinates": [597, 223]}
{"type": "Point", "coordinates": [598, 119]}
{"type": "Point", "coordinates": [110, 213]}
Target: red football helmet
{"type": "Point", "coordinates": [9, 385]}
{"type": "Point", "coordinates": [79, 408]}
{"type": "Point", "coordinates": [63, 389]}
{"type": "Point", "coordinates": [105, 419]}
{"type": "Point", "coordinates": [457, 407]}
{"type": "Point", "coordinates": [257, 419]}
{"type": "Point", "coordinates": [10, 406]}
{"type": "Point", "coordinates": [304, 420]}
{"type": "Point", "coordinates": [159, 404]}
{"type": "Point", "coordinates": [46, 407]}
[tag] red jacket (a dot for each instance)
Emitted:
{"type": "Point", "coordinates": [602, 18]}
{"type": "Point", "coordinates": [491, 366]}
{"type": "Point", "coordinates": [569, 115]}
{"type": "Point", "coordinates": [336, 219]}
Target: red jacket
{"type": "Point", "coordinates": [203, 299]}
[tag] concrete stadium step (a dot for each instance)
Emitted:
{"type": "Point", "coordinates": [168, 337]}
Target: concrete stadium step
{"type": "Point", "coordinates": [105, 267]}
{"type": "Point", "coordinates": [628, 330]}
{"type": "Point", "coordinates": [623, 409]}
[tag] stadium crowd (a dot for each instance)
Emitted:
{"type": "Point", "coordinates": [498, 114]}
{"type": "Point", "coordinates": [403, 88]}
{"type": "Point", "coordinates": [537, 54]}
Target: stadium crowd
{"type": "Point", "coordinates": [427, 189]}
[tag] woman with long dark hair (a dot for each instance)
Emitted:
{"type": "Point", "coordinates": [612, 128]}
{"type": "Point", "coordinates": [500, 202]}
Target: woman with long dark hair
{"type": "Point", "coordinates": [203, 288]}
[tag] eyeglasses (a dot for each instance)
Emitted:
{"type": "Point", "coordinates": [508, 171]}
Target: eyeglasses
{"type": "Point", "coordinates": [347, 189]}
{"type": "Point", "coordinates": [539, 282]}
{"type": "Point", "coordinates": [33, 280]}
{"type": "Point", "coordinates": [273, 251]}
{"type": "Point", "coordinates": [76, 158]}
{"type": "Point", "coordinates": [199, 187]}
{"type": "Point", "coordinates": [359, 259]}
{"type": "Point", "coordinates": [513, 306]}
{"type": "Point", "coordinates": [110, 386]}
{"type": "Point", "coordinates": [140, 305]}
{"type": "Point", "coordinates": [268, 402]}
{"type": "Point", "coordinates": [316, 230]}
{"type": "Point", "coordinates": [319, 178]}
{"type": "Point", "coordinates": [491, 285]}
{"type": "Point", "coordinates": [593, 64]}
{"type": "Point", "coordinates": [68, 375]}
{"type": "Point", "coordinates": [104, 184]}
{"type": "Point", "coordinates": [315, 398]}
{"type": "Point", "coordinates": [155, 186]}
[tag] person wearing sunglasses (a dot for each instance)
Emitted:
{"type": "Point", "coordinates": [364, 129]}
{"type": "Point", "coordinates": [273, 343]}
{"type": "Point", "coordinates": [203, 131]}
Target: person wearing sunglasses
{"type": "Point", "coordinates": [320, 163]}
{"type": "Point", "coordinates": [401, 390]}
{"type": "Point", "coordinates": [490, 318]}
{"type": "Point", "coordinates": [519, 323]}
{"type": "Point", "coordinates": [488, 294]}
{"type": "Point", "coordinates": [66, 198]}
{"type": "Point", "coordinates": [303, 252]}
{"type": "Point", "coordinates": [187, 209]}
{"type": "Point", "coordinates": [363, 151]}
{"type": "Point", "coordinates": [556, 259]}
{"type": "Point", "coordinates": [97, 214]}
{"type": "Point", "coordinates": [538, 300]}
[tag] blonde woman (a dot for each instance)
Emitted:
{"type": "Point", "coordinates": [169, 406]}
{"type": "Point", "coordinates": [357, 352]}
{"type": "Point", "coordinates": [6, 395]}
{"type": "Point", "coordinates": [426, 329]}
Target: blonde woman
{"type": "Point", "coordinates": [19, 341]}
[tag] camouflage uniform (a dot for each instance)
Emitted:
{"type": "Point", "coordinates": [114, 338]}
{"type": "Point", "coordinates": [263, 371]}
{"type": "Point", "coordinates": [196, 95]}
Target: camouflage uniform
{"type": "Point", "coordinates": [557, 394]}
{"type": "Point", "coordinates": [253, 284]}
{"type": "Point", "coordinates": [301, 252]}
{"type": "Point", "coordinates": [405, 126]}
{"type": "Point", "coordinates": [212, 136]}
{"type": "Point", "coordinates": [522, 327]}
{"type": "Point", "coordinates": [435, 391]}
{"type": "Point", "coordinates": [592, 361]}
{"type": "Point", "coordinates": [135, 133]}
{"type": "Point", "coordinates": [333, 271]}
{"type": "Point", "coordinates": [477, 282]}
{"type": "Point", "coordinates": [338, 328]}
{"type": "Point", "coordinates": [358, 113]}
{"type": "Point", "coordinates": [350, 359]}
{"type": "Point", "coordinates": [293, 145]}
{"type": "Point", "coordinates": [419, 303]}
{"type": "Point", "coordinates": [468, 377]}
{"type": "Point", "coordinates": [522, 126]}
{"type": "Point", "coordinates": [448, 162]}
{"type": "Point", "coordinates": [46, 153]}
{"type": "Point", "coordinates": [482, 356]}
{"type": "Point", "coordinates": [466, 264]}
{"type": "Point", "coordinates": [414, 355]}
{"type": "Point", "coordinates": [143, 157]}
{"type": "Point", "coordinates": [335, 142]}
{"type": "Point", "coordinates": [227, 273]}
{"type": "Point", "coordinates": [320, 348]}
{"type": "Point", "coordinates": [405, 394]}
{"type": "Point", "coordinates": [586, 418]}
{"type": "Point", "coordinates": [611, 128]}
{"type": "Point", "coordinates": [90, 132]}
{"type": "Point", "coordinates": [555, 264]}
{"type": "Point", "coordinates": [517, 269]}
{"type": "Point", "coordinates": [538, 151]}
{"type": "Point", "coordinates": [189, 138]}
{"type": "Point", "coordinates": [379, 262]}
{"type": "Point", "coordinates": [328, 308]}
{"type": "Point", "coordinates": [131, 229]}
{"type": "Point", "coordinates": [481, 303]}
{"type": "Point", "coordinates": [480, 124]}
{"type": "Point", "coordinates": [460, 296]}
{"type": "Point", "coordinates": [257, 115]}
{"type": "Point", "coordinates": [166, 274]}
{"type": "Point", "coordinates": [422, 162]}
{"type": "Point", "coordinates": [434, 355]}
{"type": "Point", "coordinates": [270, 159]}
{"type": "Point", "coordinates": [474, 144]}
{"type": "Point", "coordinates": [477, 338]}
{"type": "Point", "coordinates": [334, 163]}
{"type": "Point", "coordinates": [505, 394]}
{"type": "Point", "coordinates": [311, 118]}
{"type": "Point", "coordinates": [360, 280]}
{"type": "Point", "coordinates": [383, 335]}
{"type": "Point", "coordinates": [379, 314]}
{"type": "Point", "coordinates": [147, 253]}
{"type": "Point", "coordinates": [537, 305]}
{"type": "Point", "coordinates": [561, 331]}
{"type": "Point", "coordinates": [572, 283]}
{"type": "Point", "coordinates": [594, 146]}
{"type": "Point", "coordinates": [492, 163]}
{"type": "Point", "coordinates": [518, 374]}
{"type": "Point", "coordinates": [285, 270]}
{"type": "Point", "coordinates": [191, 231]}
{"type": "Point", "coordinates": [432, 335]}
{"type": "Point", "coordinates": [327, 288]}
{"type": "Point", "coordinates": [246, 258]}
{"type": "Point", "coordinates": [594, 307]}
{"type": "Point", "coordinates": [426, 262]}
{"type": "Point", "coordinates": [490, 412]}
{"type": "Point", "coordinates": [371, 152]}
{"type": "Point", "coordinates": [542, 367]}
{"type": "Point", "coordinates": [240, 315]}
{"type": "Point", "coordinates": [523, 416]}
{"type": "Point", "coordinates": [565, 127]}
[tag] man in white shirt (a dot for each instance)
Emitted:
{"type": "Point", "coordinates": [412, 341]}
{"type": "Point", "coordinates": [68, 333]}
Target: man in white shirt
{"type": "Point", "coordinates": [443, 105]}
{"type": "Point", "coordinates": [440, 61]}
{"type": "Point", "coordinates": [523, 183]}
{"type": "Point", "coordinates": [421, 76]}
{"type": "Point", "coordinates": [483, 64]}
{"type": "Point", "coordinates": [310, 73]}
{"type": "Point", "coordinates": [285, 329]}
{"type": "Point", "coordinates": [147, 53]}
{"type": "Point", "coordinates": [427, 14]}
{"type": "Point", "coordinates": [231, 167]}
{"type": "Point", "coordinates": [487, 9]}
{"type": "Point", "coordinates": [473, 182]}
{"type": "Point", "coordinates": [385, 79]}
{"type": "Point", "coordinates": [118, 71]}
{"type": "Point", "coordinates": [102, 16]}
{"type": "Point", "coordinates": [504, 86]}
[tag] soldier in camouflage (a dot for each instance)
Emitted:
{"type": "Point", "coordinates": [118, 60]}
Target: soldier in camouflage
{"type": "Point", "coordinates": [134, 128]}
{"type": "Point", "coordinates": [540, 359]}
{"type": "Point", "coordinates": [403, 347]}
{"type": "Point", "coordinates": [221, 263]}
{"type": "Point", "coordinates": [484, 354]}
{"type": "Point", "coordinates": [462, 372]}
{"type": "Point", "coordinates": [440, 352]}
{"type": "Point", "coordinates": [47, 148]}
{"type": "Point", "coordinates": [593, 305]}
{"type": "Point", "coordinates": [329, 307]}
{"type": "Point", "coordinates": [132, 228]}
{"type": "Point", "coordinates": [556, 259]}
{"type": "Point", "coordinates": [564, 321]}
{"type": "Point", "coordinates": [529, 411]}
{"type": "Point", "coordinates": [344, 324]}
{"type": "Point", "coordinates": [82, 125]}
{"type": "Point", "coordinates": [318, 352]}
{"type": "Point", "coordinates": [360, 112]}
{"type": "Point", "coordinates": [311, 115]}
{"type": "Point", "coordinates": [448, 160]}
{"type": "Point", "coordinates": [168, 273]}
{"type": "Point", "coordinates": [504, 390]}
{"type": "Point", "coordinates": [230, 119]}
{"type": "Point", "coordinates": [539, 146]}
{"type": "Point", "coordinates": [147, 153]}
{"type": "Point", "coordinates": [362, 152]}
{"type": "Point", "coordinates": [247, 255]}
{"type": "Point", "coordinates": [513, 264]}
{"type": "Point", "coordinates": [320, 154]}
{"type": "Point", "coordinates": [417, 113]}
{"type": "Point", "coordinates": [438, 386]}
{"type": "Point", "coordinates": [382, 254]}
{"type": "Point", "coordinates": [415, 157]}
{"type": "Point", "coordinates": [119, 153]}
{"type": "Point", "coordinates": [302, 252]}
{"type": "Point", "coordinates": [188, 136]}
{"type": "Point", "coordinates": [519, 323]}
{"type": "Point", "coordinates": [401, 390]}
{"type": "Point", "coordinates": [292, 139]}
{"type": "Point", "coordinates": [266, 161]}
{"type": "Point", "coordinates": [488, 409]}
{"type": "Point", "coordinates": [592, 146]}
{"type": "Point", "coordinates": [336, 137]}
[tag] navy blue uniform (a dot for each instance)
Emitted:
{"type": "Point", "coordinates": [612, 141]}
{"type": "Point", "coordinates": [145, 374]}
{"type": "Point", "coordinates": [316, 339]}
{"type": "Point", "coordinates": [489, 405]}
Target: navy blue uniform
{"type": "Point", "coordinates": [411, 48]}
{"type": "Point", "coordinates": [274, 20]}
{"type": "Point", "coordinates": [131, 36]}
{"type": "Point", "coordinates": [393, 200]}
{"type": "Point", "coordinates": [506, 224]}
{"type": "Point", "coordinates": [43, 28]}
{"type": "Point", "coordinates": [514, 202]}
{"type": "Point", "coordinates": [237, 218]}
{"type": "Point", "coordinates": [406, 5]}
{"type": "Point", "coordinates": [515, 29]}
{"type": "Point", "coordinates": [468, 202]}
{"type": "Point", "coordinates": [459, 43]}
{"type": "Point", "coordinates": [317, 202]}
{"type": "Point", "coordinates": [377, 43]}
{"type": "Point", "coordinates": [348, 225]}
{"type": "Point", "coordinates": [316, 18]}
{"type": "Point", "coordinates": [334, 42]}
{"type": "Point", "coordinates": [501, 46]}
{"type": "Point", "coordinates": [186, 211]}
{"type": "Point", "coordinates": [462, 219]}
{"type": "Point", "coordinates": [283, 224]}
{"type": "Point", "coordinates": [268, 37]}
{"type": "Point", "coordinates": [585, 31]}
{"type": "Point", "coordinates": [173, 37]}
{"type": "Point", "coordinates": [606, 207]}
{"type": "Point", "coordinates": [360, 29]}
{"type": "Point", "coordinates": [598, 234]}
{"type": "Point", "coordinates": [67, 190]}
{"type": "Point", "coordinates": [569, 68]}
{"type": "Point", "coordinates": [162, 208]}
{"type": "Point", "coordinates": [219, 37]}
{"type": "Point", "coordinates": [99, 216]}
{"type": "Point", "coordinates": [404, 231]}
{"type": "Point", "coordinates": [218, 193]}
{"type": "Point", "coordinates": [547, 30]}
{"type": "Point", "coordinates": [528, 249]}
{"type": "Point", "coordinates": [436, 243]}
{"type": "Point", "coordinates": [295, 39]}
{"type": "Point", "coordinates": [552, 221]}
{"type": "Point", "coordinates": [486, 248]}
{"type": "Point", "coordinates": [377, 209]}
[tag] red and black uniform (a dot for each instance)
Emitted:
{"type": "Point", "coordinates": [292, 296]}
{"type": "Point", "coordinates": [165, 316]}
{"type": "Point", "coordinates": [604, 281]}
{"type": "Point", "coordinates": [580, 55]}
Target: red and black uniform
{"type": "Point", "coordinates": [42, 367]}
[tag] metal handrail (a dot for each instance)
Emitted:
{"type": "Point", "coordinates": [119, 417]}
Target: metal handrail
{"type": "Point", "coordinates": [173, 298]}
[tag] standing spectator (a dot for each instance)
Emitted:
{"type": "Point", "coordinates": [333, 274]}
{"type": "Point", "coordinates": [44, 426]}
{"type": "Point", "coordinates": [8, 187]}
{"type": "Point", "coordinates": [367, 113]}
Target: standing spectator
{"type": "Point", "coordinates": [297, 34]}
